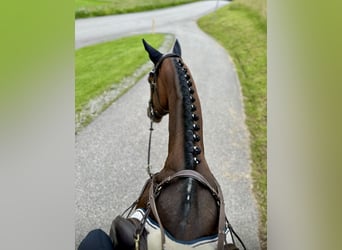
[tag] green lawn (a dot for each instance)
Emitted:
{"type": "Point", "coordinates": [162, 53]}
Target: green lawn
{"type": "Point", "coordinates": [89, 3]}
{"type": "Point", "coordinates": [242, 31]}
{"type": "Point", "coordinates": [88, 8]}
{"type": "Point", "coordinates": [258, 5]}
{"type": "Point", "coordinates": [100, 67]}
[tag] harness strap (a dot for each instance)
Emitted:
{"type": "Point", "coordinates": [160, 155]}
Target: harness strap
{"type": "Point", "coordinates": [155, 212]}
{"type": "Point", "coordinates": [222, 217]}
{"type": "Point", "coordinates": [192, 174]}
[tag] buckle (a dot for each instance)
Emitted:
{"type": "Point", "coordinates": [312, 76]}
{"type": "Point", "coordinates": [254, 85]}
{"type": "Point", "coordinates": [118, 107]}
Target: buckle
{"type": "Point", "coordinates": [136, 241]}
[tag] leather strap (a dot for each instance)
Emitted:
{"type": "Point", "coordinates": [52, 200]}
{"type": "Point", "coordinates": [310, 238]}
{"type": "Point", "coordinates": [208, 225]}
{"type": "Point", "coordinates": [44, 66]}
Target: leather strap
{"type": "Point", "coordinates": [192, 174]}
{"type": "Point", "coordinates": [222, 220]}
{"type": "Point", "coordinates": [155, 212]}
{"type": "Point", "coordinates": [158, 64]}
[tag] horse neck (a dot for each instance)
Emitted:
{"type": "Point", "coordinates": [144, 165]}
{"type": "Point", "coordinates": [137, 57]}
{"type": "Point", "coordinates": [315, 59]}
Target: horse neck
{"type": "Point", "coordinates": [185, 119]}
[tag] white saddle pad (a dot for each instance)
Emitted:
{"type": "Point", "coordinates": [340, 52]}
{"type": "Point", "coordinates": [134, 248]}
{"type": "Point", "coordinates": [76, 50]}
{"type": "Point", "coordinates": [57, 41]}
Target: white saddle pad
{"type": "Point", "coordinates": [154, 237]}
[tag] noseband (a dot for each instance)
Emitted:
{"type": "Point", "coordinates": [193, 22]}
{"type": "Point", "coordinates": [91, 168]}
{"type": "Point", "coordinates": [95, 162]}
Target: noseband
{"type": "Point", "coordinates": [152, 79]}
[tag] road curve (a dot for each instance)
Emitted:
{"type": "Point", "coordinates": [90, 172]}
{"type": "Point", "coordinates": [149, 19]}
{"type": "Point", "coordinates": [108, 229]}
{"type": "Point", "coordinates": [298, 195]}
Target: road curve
{"type": "Point", "coordinates": [95, 30]}
{"type": "Point", "coordinates": [111, 152]}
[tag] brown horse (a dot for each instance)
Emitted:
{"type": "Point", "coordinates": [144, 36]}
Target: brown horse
{"type": "Point", "coordinates": [184, 199]}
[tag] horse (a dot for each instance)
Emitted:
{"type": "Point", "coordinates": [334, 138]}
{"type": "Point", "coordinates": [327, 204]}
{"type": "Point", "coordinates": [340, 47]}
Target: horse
{"type": "Point", "coordinates": [183, 202]}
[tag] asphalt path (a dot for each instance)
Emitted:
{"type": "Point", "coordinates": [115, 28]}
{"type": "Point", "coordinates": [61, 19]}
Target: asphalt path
{"type": "Point", "coordinates": [111, 152]}
{"type": "Point", "coordinates": [95, 30]}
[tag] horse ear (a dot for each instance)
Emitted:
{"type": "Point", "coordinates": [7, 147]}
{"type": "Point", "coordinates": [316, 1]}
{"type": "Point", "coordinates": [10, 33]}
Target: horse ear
{"type": "Point", "coordinates": [177, 49]}
{"type": "Point", "coordinates": [154, 54]}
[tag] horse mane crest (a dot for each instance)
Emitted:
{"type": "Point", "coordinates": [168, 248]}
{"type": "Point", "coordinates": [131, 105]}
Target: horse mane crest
{"type": "Point", "coordinates": [190, 117]}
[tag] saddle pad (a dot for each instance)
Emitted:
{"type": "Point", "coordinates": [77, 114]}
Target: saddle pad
{"type": "Point", "coordinates": [154, 237]}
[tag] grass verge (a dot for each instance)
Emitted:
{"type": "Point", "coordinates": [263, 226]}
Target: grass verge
{"type": "Point", "coordinates": [258, 5]}
{"type": "Point", "coordinates": [102, 67]}
{"type": "Point", "coordinates": [91, 8]}
{"type": "Point", "coordinates": [242, 31]}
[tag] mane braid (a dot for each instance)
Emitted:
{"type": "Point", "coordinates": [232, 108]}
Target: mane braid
{"type": "Point", "coordinates": [188, 115]}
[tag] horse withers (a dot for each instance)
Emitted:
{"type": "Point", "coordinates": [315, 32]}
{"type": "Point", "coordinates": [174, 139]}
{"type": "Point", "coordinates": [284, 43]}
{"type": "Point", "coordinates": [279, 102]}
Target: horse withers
{"type": "Point", "coordinates": [182, 206]}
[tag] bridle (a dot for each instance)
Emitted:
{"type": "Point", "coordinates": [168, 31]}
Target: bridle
{"type": "Point", "coordinates": [152, 79]}
{"type": "Point", "coordinates": [153, 114]}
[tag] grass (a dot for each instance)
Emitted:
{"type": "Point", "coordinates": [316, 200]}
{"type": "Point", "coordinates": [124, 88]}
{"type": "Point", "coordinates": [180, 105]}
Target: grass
{"type": "Point", "coordinates": [91, 8]}
{"type": "Point", "coordinates": [242, 31]}
{"type": "Point", "coordinates": [101, 67]}
{"type": "Point", "coordinates": [258, 5]}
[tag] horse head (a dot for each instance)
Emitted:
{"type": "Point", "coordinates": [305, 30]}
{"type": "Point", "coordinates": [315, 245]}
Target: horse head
{"type": "Point", "coordinates": [158, 105]}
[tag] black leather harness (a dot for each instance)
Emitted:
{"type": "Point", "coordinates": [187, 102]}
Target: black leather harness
{"type": "Point", "coordinates": [156, 188]}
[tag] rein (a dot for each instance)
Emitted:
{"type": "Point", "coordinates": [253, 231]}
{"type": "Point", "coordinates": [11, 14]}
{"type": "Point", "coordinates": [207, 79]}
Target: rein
{"type": "Point", "coordinates": [149, 166]}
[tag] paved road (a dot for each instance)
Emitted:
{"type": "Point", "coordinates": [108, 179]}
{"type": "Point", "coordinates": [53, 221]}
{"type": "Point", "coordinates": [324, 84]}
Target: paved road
{"type": "Point", "coordinates": [94, 30]}
{"type": "Point", "coordinates": [111, 152]}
